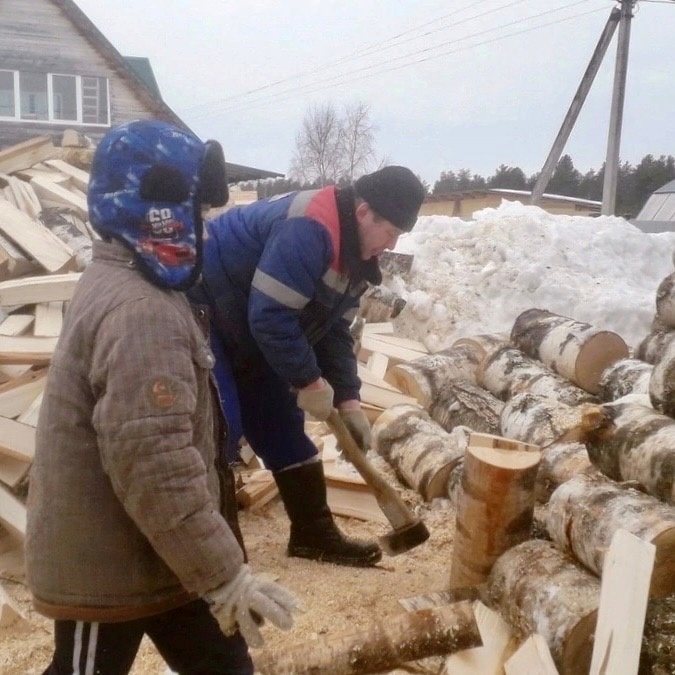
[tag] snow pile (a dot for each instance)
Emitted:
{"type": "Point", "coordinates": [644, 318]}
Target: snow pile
{"type": "Point", "coordinates": [472, 277]}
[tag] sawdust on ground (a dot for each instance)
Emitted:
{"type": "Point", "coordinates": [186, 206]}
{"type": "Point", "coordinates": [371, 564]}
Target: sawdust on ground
{"type": "Point", "coordinates": [334, 599]}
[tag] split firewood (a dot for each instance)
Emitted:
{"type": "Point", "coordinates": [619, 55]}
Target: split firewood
{"type": "Point", "coordinates": [464, 404]}
{"type": "Point", "coordinates": [542, 421]}
{"type": "Point", "coordinates": [17, 394]}
{"type": "Point", "coordinates": [379, 304]}
{"type": "Point", "coordinates": [627, 376]}
{"type": "Point", "coordinates": [26, 154]}
{"type": "Point", "coordinates": [559, 463]}
{"type": "Point", "coordinates": [494, 511]}
{"type": "Point", "coordinates": [10, 613]}
{"type": "Point", "coordinates": [396, 348]}
{"type": "Point", "coordinates": [533, 657]}
{"type": "Point", "coordinates": [634, 443]}
{"type": "Point", "coordinates": [12, 513]}
{"type": "Point", "coordinates": [30, 290]}
{"type": "Point", "coordinates": [654, 344]}
{"type": "Point", "coordinates": [573, 349]}
{"type": "Point", "coordinates": [508, 371]}
{"type": "Point", "coordinates": [258, 489]}
{"type": "Point", "coordinates": [425, 377]}
{"type": "Point", "coordinates": [385, 644]}
{"type": "Point", "coordinates": [539, 589]}
{"type": "Point", "coordinates": [585, 512]}
{"type": "Point", "coordinates": [420, 450]}
{"type": "Point", "coordinates": [662, 382]}
{"type": "Point", "coordinates": [395, 264]}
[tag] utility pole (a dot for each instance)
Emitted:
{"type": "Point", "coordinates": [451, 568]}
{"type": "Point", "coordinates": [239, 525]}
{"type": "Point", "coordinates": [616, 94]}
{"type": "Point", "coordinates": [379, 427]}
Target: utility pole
{"type": "Point", "coordinates": [575, 106]}
{"type": "Point", "coordinates": [616, 118]}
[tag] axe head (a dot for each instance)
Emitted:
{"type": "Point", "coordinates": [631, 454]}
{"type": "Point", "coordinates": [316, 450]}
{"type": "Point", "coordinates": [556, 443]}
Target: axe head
{"type": "Point", "coordinates": [404, 538]}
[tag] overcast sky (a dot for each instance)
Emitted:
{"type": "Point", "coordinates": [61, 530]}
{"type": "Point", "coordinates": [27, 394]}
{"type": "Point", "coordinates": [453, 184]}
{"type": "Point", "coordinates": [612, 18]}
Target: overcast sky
{"type": "Point", "coordinates": [451, 84]}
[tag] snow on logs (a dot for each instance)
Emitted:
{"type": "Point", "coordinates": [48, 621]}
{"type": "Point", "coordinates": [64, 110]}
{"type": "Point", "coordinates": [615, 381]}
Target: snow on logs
{"type": "Point", "coordinates": [495, 507]}
{"type": "Point", "coordinates": [584, 513]}
{"type": "Point", "coordinates": [539, 589]}
{"type": "Point", "coordinates": [508, 371]}
{"type": "Point", "coordinates": [420, 451]}
{"type": "Point", "coordinates": [573, 349]}
{"type": "Point", "coordinates": [632, 442]}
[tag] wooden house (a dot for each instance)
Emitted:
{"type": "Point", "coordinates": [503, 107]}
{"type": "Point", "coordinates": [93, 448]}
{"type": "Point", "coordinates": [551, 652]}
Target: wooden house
{"type": "Point", "coordinates": [58, 72]}
{"type": "Point", "coordinates": [464, 204]}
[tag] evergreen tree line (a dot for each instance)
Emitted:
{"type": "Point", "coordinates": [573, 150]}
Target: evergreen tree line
{"type": "Point", "coordinates": [634, 186]}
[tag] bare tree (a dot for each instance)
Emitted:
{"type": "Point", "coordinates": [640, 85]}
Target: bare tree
{"type": "Point", "coordinates": [330, 148]}
{"type": "Point", "coordinates": [358, 140]}
{"type": "Point", "coordinates": [319, 146]}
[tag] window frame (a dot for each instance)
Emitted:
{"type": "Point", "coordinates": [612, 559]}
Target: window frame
{"type": "Point", "coordinates": [50, 101]}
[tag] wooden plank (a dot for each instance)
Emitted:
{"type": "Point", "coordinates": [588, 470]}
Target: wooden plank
{"type": "Point", "coordinates": [624, 591]}
{"type": "Point", "coordinates": [18, 394]}
{"type": "Point", "coordinates": [9, 611]}
{"type": "Point", "coordinates": [401, 352]}
{"type": "Point", "coordinates": [377, 364]}
{"type": "Point", "coordinates": [12, 470]}
{"type": "Point", "coordinates": [404, 343]}
{"type": "Point", "coordinates": [51, 193]}
{"type": "Point", "coordinates": [36, 240]}
{"type": "Point", "coordinates": [16, 324]}
{"type": "Point", "coordinates": [17, 440]}
{"type": "Point", "coordinates": [533, 657]}
{"type": "Point", "coordinates": [382, 398]}
{"type": "Point", "coordinates": [368, 376]}
{"type": "Point", "coordinates": [48, 319]}
{"type": "Point", "coordinates": [32, 350]}
{"type": "Point", "coordinates": [31, 290]}
{"type": "Point", "coordinates": [31, 414]}
{"type": "Point", "coordinates": [12, 513]}
{"type": "Point", "coordinates": [28, 153]}
{"type": "Point", "coordinates": [79, 177]}
{"type": "Point", "coordinates": [378, 328]}
{"type": "Point", "coordinates": [14, 263]}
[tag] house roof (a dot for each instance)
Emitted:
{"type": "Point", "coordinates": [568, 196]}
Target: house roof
{"type": "Point", "coordinates": [668, 187]}
{"type": "Point", "coordinates": [138, 73]}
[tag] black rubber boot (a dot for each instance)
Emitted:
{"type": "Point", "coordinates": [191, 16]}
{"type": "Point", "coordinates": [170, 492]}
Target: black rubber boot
{"type": "Point", "coordinates": [314, 534]}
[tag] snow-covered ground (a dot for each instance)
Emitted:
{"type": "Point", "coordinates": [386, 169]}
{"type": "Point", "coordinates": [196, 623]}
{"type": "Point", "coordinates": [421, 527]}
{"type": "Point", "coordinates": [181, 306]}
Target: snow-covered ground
{"type": "Point", "coordinates": [472, 277]}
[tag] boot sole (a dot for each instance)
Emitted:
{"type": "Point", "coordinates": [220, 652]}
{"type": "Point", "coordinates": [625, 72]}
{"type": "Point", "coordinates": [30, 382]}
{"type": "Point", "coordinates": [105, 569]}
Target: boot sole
{"type": "Point", "coordinates": [335, 559]}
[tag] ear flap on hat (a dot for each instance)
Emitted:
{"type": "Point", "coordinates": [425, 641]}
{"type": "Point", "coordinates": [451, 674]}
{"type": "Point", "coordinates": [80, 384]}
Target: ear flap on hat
{"type": "Point", "coordinates": [212, 176]}
{"type": "Point", "coordinates": [164, 184]}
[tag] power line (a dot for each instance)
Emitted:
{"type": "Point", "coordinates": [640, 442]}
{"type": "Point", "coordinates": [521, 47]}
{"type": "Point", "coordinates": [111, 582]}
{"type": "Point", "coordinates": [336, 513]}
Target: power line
{"type": "Point", "coordinates": [369, 50]}
{"type": "Point", "coordinates": [331, 82]}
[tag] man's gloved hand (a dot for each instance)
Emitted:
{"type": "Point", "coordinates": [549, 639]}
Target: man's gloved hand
{"type": "Point", "coordinates": [317, 399]}
{"type": "Point", "coordinates": [358, 425]}
{"type": "Point", "coordinates": [233, 602]}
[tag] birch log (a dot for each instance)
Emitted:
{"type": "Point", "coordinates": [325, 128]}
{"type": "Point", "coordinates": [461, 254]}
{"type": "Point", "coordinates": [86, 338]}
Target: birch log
{"type": "Point", "coordinates": [464, 404]}
{"type": "Point", "coordinates": [426, 377]}
{"type": "Point", "coordinates": [382, 646]}
{"type": "Point", "coordinates": [575, 350]}
{"type": "Point", "coordinates": [485, 343]}
{"type": "Point", "coordinates": [627, 376]}
{"type": "Point", "coordinates": [542, 421]}
{"type": "Point", "coordinates": [420, 450]}
{"type": "Point", "coordinates": [635, 443]}
{"type": "Point", "coordinates": [654, 344]}
{"type": "Point", "coordinates": [539, 589]}
{"type": "Point", "coordinates": [662, 382]}
{"type": "Point", "coordinates": [665, 301]}
{"type": "Point", "coordinates": [495, 510]}
{"type": "Point", "coordinates": [585, 512]}
{"type": "Point", "coordinates": [559, 463]}
{"type": "Point", "coordinates": [508, 371]}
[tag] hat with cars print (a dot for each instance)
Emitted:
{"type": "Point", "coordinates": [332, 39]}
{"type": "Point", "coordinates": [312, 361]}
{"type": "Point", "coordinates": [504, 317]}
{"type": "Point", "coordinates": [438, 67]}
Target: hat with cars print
{"type": "Point", "coordinates": [394, 193]}
{"type": "Point", "coordinates": [147, 184]}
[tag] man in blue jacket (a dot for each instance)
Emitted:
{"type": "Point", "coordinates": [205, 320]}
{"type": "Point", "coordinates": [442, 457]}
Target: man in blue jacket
{"type": "Point", "coordinates": [283, 277]}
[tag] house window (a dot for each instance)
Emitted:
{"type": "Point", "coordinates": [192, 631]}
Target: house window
{"type": "Point", "coordinates": [56, 98]}
{"type": "Point", "coordinates": [7, 103]}
{"type": "Point", "coordinates": [33, 89]}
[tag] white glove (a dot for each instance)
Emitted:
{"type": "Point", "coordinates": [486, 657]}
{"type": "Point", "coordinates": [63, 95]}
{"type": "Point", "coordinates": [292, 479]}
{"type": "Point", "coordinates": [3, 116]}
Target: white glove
{"type": "Point", "coordinates": [233, 602]}
{"type": "Point", "coordinates": [316, 400]}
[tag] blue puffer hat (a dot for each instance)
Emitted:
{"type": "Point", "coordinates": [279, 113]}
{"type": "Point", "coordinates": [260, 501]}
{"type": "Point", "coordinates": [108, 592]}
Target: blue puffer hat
{"type": "Point", "coordinates": [147, 185]}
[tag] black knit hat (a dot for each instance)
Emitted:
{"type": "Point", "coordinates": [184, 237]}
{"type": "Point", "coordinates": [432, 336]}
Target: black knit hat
{"type": "Point", "coordinates": [394, 193]}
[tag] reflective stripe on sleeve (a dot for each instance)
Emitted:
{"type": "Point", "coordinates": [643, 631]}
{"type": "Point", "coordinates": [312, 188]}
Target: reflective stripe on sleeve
{"type": "Point", "coordinates": [277, 291]}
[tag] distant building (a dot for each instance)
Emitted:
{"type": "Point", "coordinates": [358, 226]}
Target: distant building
{"type": "Point", "coordinates": [658, 213]}
{"type": "Point", "coordinates": [58, 72]}
{"type": "Point", "coordinates": [465, 204]}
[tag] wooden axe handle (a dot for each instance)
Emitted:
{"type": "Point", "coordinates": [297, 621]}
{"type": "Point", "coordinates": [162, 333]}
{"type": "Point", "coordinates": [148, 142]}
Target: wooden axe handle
{"type": "Point", "coordinates": [393, 507]}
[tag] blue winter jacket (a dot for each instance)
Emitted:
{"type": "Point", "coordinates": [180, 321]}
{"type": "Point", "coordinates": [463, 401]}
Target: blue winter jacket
{"type": "Point", "coordinates": [284, 278]}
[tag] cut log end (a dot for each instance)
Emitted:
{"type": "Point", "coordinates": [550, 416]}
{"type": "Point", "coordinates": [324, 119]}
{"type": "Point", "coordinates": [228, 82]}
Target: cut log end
{"type": "Point", "coordinates": [599, 352]}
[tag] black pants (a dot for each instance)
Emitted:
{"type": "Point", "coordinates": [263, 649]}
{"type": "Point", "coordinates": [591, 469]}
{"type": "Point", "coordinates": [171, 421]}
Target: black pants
{"type": "Point", "coordinates": [188, 638]}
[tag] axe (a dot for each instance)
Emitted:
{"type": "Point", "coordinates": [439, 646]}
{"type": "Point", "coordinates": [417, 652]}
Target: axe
{"type": "Point", "coordinates": [408, 531]}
